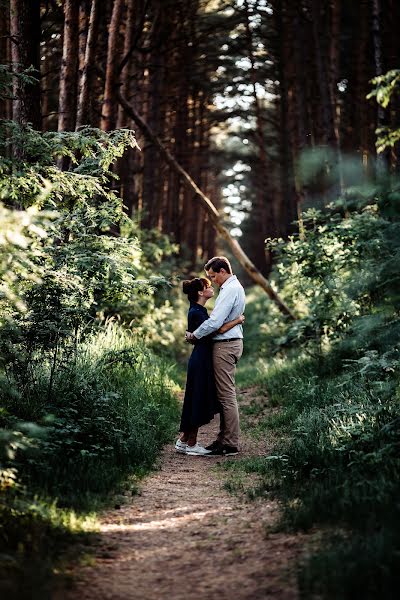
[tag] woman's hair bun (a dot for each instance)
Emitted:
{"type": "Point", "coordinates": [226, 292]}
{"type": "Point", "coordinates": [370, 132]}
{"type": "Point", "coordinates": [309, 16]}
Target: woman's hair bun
{"type": "Point", "coordinates": [186, 286]}
{"type": "Point", "coordinates": [192, 287]}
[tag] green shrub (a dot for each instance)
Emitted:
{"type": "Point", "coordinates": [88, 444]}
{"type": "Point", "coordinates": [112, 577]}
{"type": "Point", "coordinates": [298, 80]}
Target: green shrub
{"type": "Point", "coordinates": [110, 409]}
{"type": "Point", "coordinates": [84, 402]}
{"type": "Point", "coordinates": [355, 566]}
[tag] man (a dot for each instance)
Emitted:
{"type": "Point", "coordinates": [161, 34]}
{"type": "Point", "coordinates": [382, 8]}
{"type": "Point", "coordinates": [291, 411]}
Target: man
{"type": "Point", "coordinates": [227, 350]}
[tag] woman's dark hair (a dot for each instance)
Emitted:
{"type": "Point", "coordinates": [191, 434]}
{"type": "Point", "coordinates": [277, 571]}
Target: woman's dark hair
{"type": "Point", "coordinates": [217, 263]}
{"type": "Point", "coordinates": [192, 287]}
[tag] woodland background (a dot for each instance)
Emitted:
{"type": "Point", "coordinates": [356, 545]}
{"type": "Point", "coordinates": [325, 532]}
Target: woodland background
{"type": "Point", "coordinates": [286, 115]}
{"type": "Point", "coordinates": [235, 90]}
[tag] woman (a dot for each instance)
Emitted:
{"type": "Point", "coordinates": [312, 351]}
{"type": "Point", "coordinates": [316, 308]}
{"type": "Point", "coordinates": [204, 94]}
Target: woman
{"type": "Point", "coordinates": [200, 403]}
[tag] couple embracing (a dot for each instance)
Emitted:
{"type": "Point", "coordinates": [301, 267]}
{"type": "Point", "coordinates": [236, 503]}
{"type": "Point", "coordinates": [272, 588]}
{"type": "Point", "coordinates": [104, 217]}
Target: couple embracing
{"type": "Point", "coordinates": [218, 345]}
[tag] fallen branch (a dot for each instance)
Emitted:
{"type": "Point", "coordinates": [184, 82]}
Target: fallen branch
{"type": "Point", "coordinates": [209, 207]}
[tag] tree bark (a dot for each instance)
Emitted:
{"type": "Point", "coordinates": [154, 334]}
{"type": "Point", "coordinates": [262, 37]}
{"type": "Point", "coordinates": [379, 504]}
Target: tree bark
{"type": "Point", "coordinates": [263, 227]}
{"type": "Point", "coordinates": [109, 109]}
{"type": "Point", "coordinates": [25, 53]}
{"type": "Point", "coordinates": [212, 212]}
{"type": "Point", "coordinates": [335, 15]}
{"type": "Point", "coordinates": [5, 58]}
{"type": "Point", "coordinates": [87, 71]}
{"type": "Point", "coordinates": [288, 211]}
{"type": "Point", "coordinates": [155, 103]}
{"type": "Point", "coordinates": [382, 158]}
{"type": "Point", "coordinates": [84, 12]}
{"type": "Point", "coordinates": [69, 68]}
{"type": "Point", "coordinates": [126, 71]}
{"type": "Point", "coordinates": [362, 113]}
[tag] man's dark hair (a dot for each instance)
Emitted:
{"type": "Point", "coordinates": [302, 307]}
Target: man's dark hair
{"type": "Point", "coordinates": [217, 263]}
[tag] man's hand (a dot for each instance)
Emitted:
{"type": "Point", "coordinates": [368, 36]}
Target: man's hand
{"type": "Point", "coordinates": [189, 337]}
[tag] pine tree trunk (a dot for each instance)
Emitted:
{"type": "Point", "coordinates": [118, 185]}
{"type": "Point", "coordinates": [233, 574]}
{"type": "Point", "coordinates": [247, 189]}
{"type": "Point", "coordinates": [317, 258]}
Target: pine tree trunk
{"type": "Point", "coordinates": [327, 105]}
{"type": "Point", "coordinates": [334, 49]}
{"type": "Point", "coordinates": [110, 106]}
{"type": "Point", "coordinates": [69, 68]}
{"type": "Point", "coordinates": [263, 227]}
{"type": "Point", "coordinates": [382, 158]}
{"type": "Point", "coordinates": [45, 79]}
{"type": "Point", "coordinates": [288, 209]}
{"type": "Point", "coordinates": [25, 53]}
{"type": "Point", "coordinates": [362, 113]}
{"type": "Point", "coordinates": [84, 12]}
{"type": "Point", "coordinates": [5, 58]}
{"type": "Point", "coordinates": [155, 116]}
{"type": "Point", "coordinates": [393, 16]}
{"type": "Point", "coordinates": [126, 72]}
{"type": "Point", "coordinates": [88, 64]}
{"type": "Point", "coordinates": [126, 165]}
{"type": "Point", "coordinates": [301, 79]}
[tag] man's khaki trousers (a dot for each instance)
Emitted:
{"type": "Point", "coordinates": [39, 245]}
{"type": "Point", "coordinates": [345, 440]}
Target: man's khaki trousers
{"type": "Point", "coordinates": [225, 358]}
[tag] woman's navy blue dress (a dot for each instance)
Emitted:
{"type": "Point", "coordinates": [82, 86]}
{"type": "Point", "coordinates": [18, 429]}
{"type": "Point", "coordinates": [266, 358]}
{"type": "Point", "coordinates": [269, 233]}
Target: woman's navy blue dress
{"type": "Point", "coordinates": [200, 403]}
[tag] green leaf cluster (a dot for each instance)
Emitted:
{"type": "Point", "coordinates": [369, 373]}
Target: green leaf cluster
{"type": "Point", "coordinates": [83, 402]}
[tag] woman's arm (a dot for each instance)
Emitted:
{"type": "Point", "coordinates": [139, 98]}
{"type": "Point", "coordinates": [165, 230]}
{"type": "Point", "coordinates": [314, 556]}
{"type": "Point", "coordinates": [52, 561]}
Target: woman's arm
{"type": "Point", "coordinates": [227, 326]}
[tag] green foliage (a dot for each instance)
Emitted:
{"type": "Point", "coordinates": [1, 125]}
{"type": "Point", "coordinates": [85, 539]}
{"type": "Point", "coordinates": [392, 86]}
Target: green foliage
{"type": "Point", "coordinates": [84, 404]}
{"type": "Point", "coordinates": [387, 88]}
{"type": "Point", "coordinates": [33, 532]}
{"type": "Point", "coordinates": [7, 77]}
{"type": "Point", "coordinates": [343, 276]}
{"type": "Point", "coordinates": [333, 391]}
{"type": "Point", "coordinates": [110, 408]}
{"type": "Point", "coordinates": [335, 463]}
{"type": "Point", "coordinates": [363, 566]}
{"type": "Point", "coordinates": [21, 252]}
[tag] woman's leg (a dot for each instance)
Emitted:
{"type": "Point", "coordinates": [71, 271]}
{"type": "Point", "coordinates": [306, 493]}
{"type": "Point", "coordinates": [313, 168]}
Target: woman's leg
{"type": "Point", "coordinates": [190, 437]}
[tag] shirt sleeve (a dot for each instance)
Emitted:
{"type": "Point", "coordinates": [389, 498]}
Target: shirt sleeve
{"type": "Point", "coordinates": [217, 317]}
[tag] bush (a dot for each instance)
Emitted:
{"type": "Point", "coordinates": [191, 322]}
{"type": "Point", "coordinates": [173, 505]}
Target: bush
{"type": "Point", "coordinates": [109, 411]}
{"type": "Point", "coordinates": [83, 402]}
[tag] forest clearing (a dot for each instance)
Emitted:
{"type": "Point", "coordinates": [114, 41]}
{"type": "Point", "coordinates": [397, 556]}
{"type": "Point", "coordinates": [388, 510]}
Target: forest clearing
{"type": "Point", "coordinates": [157, 156]}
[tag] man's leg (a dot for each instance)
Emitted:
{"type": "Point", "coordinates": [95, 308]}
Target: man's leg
{"type": "Point", "coordinates": [220, 436]}
{"type": "Point", "coordinates": [225, 358]}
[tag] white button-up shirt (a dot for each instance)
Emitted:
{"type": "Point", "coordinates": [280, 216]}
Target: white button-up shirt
{"type": "Point", "coordinates": [229, 305]}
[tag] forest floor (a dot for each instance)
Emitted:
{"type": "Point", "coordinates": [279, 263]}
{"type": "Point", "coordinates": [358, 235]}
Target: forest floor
{"type": "Point", "coordinates": [185, 536]}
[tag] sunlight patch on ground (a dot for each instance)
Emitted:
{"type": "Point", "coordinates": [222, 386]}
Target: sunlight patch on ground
{"type": "Point", "coordinates": [168, 523]}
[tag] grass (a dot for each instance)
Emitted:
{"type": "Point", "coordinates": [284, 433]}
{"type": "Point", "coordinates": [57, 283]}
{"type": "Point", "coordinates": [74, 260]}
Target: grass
{"type": "Point", "coordinates": [335, 466]}
{"type": "Point", "coordinates": [110, 410]}
{"type": "Point", "coordinates": [34, 533]}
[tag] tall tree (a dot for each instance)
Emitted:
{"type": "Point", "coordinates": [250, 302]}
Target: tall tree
{"type": "Point", "coordinates": [382, 158]}
{"type": "Point", "coordinates": [87, 66]}
{"type": "Point", "coordinates": [25, 54]}
{"type": "Point", "coordinates": [110, 108]}
{"type": "Point", "coordinates": [5, 58]}
{"type": "Point", "coordinates": [263, 219]}
{"type": "Point", "coordinates": [69, 67]}
{"type": "Point", "coordinates": [288, 197]}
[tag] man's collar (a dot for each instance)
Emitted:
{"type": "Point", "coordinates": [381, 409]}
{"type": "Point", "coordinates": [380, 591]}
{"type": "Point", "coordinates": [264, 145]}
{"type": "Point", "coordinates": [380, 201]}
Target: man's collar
{"type": "Point", "coordinates": [231, 278]}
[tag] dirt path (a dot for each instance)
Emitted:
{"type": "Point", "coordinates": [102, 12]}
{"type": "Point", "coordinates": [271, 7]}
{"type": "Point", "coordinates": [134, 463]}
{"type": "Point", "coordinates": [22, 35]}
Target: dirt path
{"type": "Point", "coordinates": [185, 536]}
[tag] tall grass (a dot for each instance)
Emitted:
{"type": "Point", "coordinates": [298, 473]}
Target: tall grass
{"type": "Point", "coordinates": [335, 464]}
{"type": "Point", "coordinates": [110, 407]}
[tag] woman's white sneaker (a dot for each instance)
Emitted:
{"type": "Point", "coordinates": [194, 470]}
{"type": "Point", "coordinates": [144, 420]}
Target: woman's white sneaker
{"type": "Point", "coordinates": [197, 450]}
{"type": "Point", "coordinates": [180, 446]}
